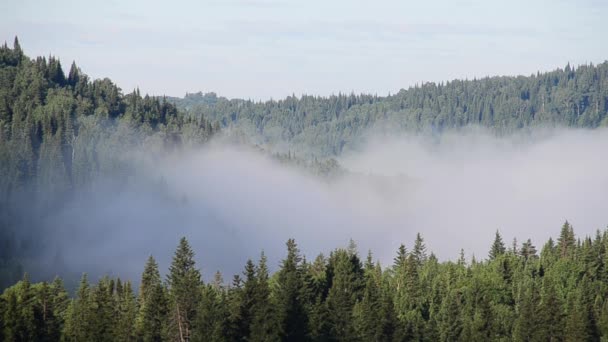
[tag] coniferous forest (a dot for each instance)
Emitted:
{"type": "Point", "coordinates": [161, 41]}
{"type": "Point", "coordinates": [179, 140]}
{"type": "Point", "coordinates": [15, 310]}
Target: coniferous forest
{"type": "Point", "coordinates": [518, 293]}
{"type": "Point", "coordinates": [326, 126]}
{"type": "Point", "coordinates": [61, 131]}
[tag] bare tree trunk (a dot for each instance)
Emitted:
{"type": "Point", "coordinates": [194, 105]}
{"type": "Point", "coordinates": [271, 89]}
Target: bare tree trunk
{"type": "Point", "coordinates": [179, 323]}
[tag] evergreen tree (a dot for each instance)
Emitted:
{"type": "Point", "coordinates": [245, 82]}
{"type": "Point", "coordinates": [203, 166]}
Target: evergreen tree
{"type": "Point", "coordinates": [575, 328]}
{"type": "Point", "coordinates": [126, 313]}
{"type": "Point", "coordinates": [450, 321]}
{"type": "Point", "coordinates": [152, 315]}
{"type": "Point", "coordinates": [264, 325]}
{"type": "Point", "coordinates": [103, 303]}
{"type": "Point", "coordinates": [528, 250]}
{"type": "Point", "coordinates": [234, 327]}
{"type": "Point", "coordinates": [292, 315]}
{"type": "Point", "coordinates": [369, 316]}
{"type": "Point", "coordinates": [345, 291]}
{"type": "Point", "coordinates": [566, 241]}
{"type": "Point", "coordinates": [419, 251]}
{"type": "Point", "coordinates": [184, 281]}
{"type": "Point", "coordinates": [550, 315]}
{"type": "Point", "coordinates": [80, 316]}
{"type": "Point", "coordinates": [498, 247]}
{"type": "Point", "coordinates": [527, 322]}
{"type": "Point", "coordinates": [212, 315]}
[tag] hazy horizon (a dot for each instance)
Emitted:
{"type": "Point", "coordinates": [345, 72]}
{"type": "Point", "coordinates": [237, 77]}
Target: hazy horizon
{"type": "Point", "coordinates": [270, 49]}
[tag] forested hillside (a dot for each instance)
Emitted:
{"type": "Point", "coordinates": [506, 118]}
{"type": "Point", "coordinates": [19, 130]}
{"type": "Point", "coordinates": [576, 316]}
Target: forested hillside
{"type": "Point", "coordinates": [515, 294]}
{"type": "Point", "coordinates": [61, 131]}
{"type": "Point", "coordinates": [570, 97]}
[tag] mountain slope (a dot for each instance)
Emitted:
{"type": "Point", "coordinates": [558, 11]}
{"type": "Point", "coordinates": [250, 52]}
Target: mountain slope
{"type": "Point", "coordinates": [571, 97]}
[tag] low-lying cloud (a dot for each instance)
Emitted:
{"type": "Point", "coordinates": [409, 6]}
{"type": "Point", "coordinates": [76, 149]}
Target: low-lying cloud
{"type": "Point", "coordinates": [232, 202]}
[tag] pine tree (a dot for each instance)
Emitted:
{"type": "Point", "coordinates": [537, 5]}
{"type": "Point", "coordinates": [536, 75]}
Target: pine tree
{"type": "Point", "coordinates": [152, 315]}
{"type": "Point", "coordinates": [368, 314]}
{"type": "Point", "coordinates": [603, 321]}
{"type": "Point", "coordinates": [79, 317]}
{"type": "Point", "coordinates": [528, 250]}
{"type": "Point", "coordinates": [419, 251]}
{"type": "Point", "coordinates": [212, 315]}
{"type": "Point", "coordinates": [450, 321]}
{"type": "Point", "coordinates": [400, 260]}
{"type": "Point", "coordinates": [103, 303]}
{"type": "Point", "coordinates": [73, 75]}
{"type": "Point", "coordinates": [292, 315]}
{"type": "Point", "coordinates": [51, 301]}
{"type": "Point", "coordinates": [234, 303]}
{"type": "Point", "coordinates": [17, 47]}
{"type": "Point", "coordinates": [11, 318]}
{"type": "Point", "coordinates": [248, 299]}
{"type": "Point", "coordinates": [576, 323]}
{"type": "Point", "coordinates": [345, 291]}
{"type": "Point", "coordinates": [566, 241]}
{"type": "Point", "coordinates": [58, 301]}
{"type": "Point", "coordinates": [184, 282]}
{"type": "Point", "coordinates": [264, 324]}
{"type": "Point", "coordinates": [126, 313]}
{"type": "Point", "coordinates": [315, 292]}
{"type": "Point", "coordinates": [526, 324]}
{"type": "Point", "coordinates": [550, 316]}
{"type": "Point", "coordinates": [498, 247]}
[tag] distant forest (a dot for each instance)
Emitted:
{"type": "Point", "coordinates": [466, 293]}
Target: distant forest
{"type": "Point", "coordinates": [325, 126]}
{"type": "Point", "coordinates": [516, 294]}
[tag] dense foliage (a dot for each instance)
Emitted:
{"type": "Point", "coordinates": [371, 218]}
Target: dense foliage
{"type": "Point", "coordinates": [61, 132]}
{"type": "Point", "coordinates": [516, 294]}
{"type": "Point", "coordinates": [58, 131]}
{"type": "Point", "coordinates": [572, 97]}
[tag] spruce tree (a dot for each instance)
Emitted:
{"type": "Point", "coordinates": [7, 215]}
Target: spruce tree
{"type": "Point", "coordinates": [103, 316]}
{"type": "Point", "coordinates": [527, 321]}
{"type": "Point", "coordinates": [576, 323]}
{"type": "Point", "coordinates": [80, 316]}
{"type": "Point", "coordinates": [498, 247]}
{"type": "Point", "coordinates": [550, 312]}
{"type": "Point", "coordinates": [345, 291]}
{"type": "Point", "coordinates": [368, 313]}
{"type": "Point", "coordinates": [264, 324]}
{"type": "Point", "coordinates": [151, 322]}
{"type": "Point", "coordinates": [184, 281]}
{"type": "Point", "coordinates": [248, 301]}
{"type": "Point", "coordinates": [566, 241]}
{"type": "Point", "coordinates": [528, 250]}
{"type": "Point", "coordinates": [234, 303]}
{"type": "Point", "coordinates": [212, 315]}
{"type": "Point", "coordinates": [292, 315]}
{"type": "Point", "coordinates": [419, 251]}
{"type": "Point", "coordinates": [449, 317]}
{"type": "Point", "coordinates": [126, 314]}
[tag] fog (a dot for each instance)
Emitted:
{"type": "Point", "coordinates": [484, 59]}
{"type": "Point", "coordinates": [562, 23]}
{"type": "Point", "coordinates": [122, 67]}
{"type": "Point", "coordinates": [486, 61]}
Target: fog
{"type": "Point", "coordinates": [232, 202]}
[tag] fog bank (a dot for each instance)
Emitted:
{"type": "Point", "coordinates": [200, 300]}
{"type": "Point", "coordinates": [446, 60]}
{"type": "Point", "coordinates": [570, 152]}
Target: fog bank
{"type": "Point", "coordinates": [232, 202]}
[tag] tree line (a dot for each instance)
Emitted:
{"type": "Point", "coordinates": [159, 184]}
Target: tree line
{"type": "Point", "coordinates": [516, 294]}
{"type": "Point", "coordinates": [325, 126]}
{"type": "Point", "coordinates": [59, 131]}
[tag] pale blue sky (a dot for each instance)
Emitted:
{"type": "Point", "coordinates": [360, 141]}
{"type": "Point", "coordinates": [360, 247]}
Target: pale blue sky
{"type": "Point", "coordinates": [263, 48]}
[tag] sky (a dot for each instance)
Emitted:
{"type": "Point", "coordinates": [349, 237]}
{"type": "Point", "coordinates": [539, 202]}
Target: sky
{"type": "Point", "coordinates": [262, 49]}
